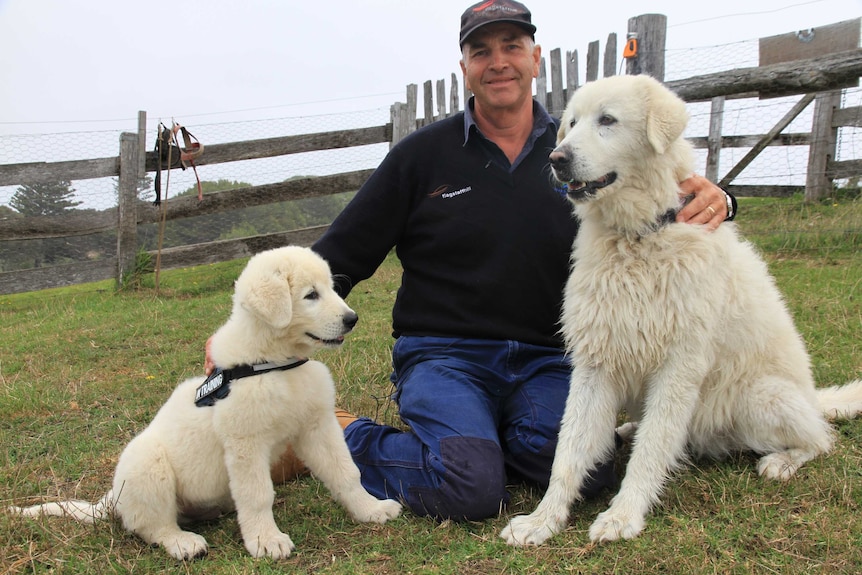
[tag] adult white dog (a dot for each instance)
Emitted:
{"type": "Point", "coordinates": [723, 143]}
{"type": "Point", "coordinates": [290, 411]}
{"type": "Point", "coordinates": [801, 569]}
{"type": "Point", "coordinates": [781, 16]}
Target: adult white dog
{"type": "Point", "coordinates": [210, 447]}
{"type": "Point", "coordinates": [682, 327]}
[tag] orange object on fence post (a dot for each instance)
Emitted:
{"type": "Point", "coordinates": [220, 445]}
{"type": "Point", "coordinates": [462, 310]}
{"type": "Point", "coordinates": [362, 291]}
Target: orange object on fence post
{"type": "Point", "coordinates": [631, 49]}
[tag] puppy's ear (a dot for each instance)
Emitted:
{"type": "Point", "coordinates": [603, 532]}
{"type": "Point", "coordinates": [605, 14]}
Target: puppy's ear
{"type": "Point", "coordinates": [269, 298]}
{"type": "Point", "coordinates": [666, 117]}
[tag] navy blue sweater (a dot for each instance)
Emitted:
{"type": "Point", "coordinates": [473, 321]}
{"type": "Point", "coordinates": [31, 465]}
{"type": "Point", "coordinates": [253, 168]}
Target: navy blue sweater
{"type": "Point", "coordinates": [485, 251]}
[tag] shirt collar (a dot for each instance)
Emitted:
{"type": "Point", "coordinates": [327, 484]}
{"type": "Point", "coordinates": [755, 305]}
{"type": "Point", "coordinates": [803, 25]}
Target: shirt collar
{"type": "Point", "coordinates": [542, 121]}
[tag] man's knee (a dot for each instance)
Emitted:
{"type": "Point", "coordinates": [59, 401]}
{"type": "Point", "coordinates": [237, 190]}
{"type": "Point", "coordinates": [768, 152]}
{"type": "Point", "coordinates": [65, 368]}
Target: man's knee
{"type": "Point", "coordinates": [473, 485]}
{"type": "Point", "coordinates": [535, 467]}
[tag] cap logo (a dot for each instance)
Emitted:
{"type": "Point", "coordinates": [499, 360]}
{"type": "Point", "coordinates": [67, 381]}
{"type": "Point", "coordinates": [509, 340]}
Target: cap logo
{"type": "Point", "coordinates": [489, 6]}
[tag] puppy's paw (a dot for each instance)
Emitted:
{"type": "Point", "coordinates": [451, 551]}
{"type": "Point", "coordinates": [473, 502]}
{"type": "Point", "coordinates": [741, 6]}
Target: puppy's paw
{"type": "Point", "coordinates": [185, 545]}
{"type": "Point", "coordinates": [380, 511]}
{"type": "Point", "coordinates": [612, 525]}
{"type": "Point", "coordinates": [528, 530]}
{"type": "Point", "coordinates": [275, 545]}
{"type": "Point", "coordinates": [778, 466]}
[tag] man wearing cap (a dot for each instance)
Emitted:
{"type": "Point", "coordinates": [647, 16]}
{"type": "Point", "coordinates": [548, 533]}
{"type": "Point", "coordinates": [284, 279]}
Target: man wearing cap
{"type": "Point", "coordinates": [484, 238]}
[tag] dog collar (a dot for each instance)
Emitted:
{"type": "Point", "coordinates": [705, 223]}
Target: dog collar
{"type": "Point", "coordinates": [663, 220]}
{"type": "Point", "coordinates": [217, 385]}
{"type": "Point", "coordinates": [666, 218]}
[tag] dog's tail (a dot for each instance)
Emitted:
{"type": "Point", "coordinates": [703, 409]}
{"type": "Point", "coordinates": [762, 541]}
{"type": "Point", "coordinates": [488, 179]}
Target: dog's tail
{"type": "Point", "coordinates": [82, 511]}
{"type": "Point", "coordinates": [841, 401]}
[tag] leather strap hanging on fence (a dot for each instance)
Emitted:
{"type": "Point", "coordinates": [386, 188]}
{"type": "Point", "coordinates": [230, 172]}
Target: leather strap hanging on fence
{"type": "Point", "coordinates": [171, 155]}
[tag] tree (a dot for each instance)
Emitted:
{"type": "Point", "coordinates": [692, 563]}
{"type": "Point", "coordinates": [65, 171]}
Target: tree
{"type": "Point", "coordinates": [46, 199]}
{"type": "Point", "coordinates": [197, 229]}
{"type": "Point", "coordinates": [144, 186]}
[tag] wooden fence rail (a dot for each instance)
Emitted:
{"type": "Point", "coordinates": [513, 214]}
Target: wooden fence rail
{"type": "Point", "coordinates": [806, 77]}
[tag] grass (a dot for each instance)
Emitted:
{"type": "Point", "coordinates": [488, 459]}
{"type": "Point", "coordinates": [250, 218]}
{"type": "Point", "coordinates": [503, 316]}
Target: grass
{"type": "Point", "coordinates": [83, 369]}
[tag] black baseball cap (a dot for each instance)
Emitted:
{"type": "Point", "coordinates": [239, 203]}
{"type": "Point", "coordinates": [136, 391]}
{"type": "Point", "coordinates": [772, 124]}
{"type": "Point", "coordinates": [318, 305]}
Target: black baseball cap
{"type": "Point", "coordinates": [490, 11]}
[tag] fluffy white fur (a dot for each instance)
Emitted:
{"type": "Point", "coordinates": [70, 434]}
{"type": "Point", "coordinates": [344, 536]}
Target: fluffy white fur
{"type": "Point", "coordinates": [195, 463]}
{"type": "Point", "coordinates": [682, 327]}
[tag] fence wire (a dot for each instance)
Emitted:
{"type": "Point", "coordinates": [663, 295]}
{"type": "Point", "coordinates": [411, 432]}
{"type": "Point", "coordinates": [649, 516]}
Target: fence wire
{"type": "Point", "coordinates": [100, 193]}
{"type": "Point", "coordinates": [776, 165]}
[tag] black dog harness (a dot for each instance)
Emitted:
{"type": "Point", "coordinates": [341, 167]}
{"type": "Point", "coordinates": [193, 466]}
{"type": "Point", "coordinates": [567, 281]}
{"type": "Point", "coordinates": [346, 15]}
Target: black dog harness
{"type": "Point", "coordinates": [217, 385]}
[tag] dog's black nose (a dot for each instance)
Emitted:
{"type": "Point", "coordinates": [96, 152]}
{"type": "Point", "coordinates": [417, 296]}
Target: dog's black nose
{"type": "Point", "coordinates": [350, 319]}
{"type": "Point", "coordinates": [559, 160]}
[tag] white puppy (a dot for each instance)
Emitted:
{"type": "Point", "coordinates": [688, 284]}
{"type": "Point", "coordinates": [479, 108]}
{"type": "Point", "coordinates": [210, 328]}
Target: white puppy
{"type": "Point", "coordinates": [210, 447]}
{"type": "Point", "coordinates": [682, 327]}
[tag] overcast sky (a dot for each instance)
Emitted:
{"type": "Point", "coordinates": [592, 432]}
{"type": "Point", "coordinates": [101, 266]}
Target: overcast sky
{"type": "Point", "coordinates": [71, 64]}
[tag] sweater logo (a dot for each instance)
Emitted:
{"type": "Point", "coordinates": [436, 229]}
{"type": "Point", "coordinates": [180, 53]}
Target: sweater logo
{"type": "Point", "coordinates": [443, 191]}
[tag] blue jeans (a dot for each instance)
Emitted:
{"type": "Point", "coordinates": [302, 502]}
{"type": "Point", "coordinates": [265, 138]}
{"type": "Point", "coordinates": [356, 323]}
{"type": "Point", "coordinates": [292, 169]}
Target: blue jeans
{"type": "Point", "coordinates": [477, 410]}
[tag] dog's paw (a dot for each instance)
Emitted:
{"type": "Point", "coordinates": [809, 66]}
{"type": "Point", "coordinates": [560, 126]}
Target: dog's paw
{"type": "Point", "coordinates": [778, 466]}
{"type": "Point", "coordinates": [275, 545]}
{"type": "Point", "coordinates": [380, 511]}
{"type": "Point", "coordinates": [185, 545]}
{"type": "Point", "coordinates": [612, 525]}
{"type": "Point", "coordinates": [527, 530]}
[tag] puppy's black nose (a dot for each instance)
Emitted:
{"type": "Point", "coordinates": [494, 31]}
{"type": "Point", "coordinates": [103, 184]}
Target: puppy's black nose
{"type": "Point", "coordinates": [559, 160]}
{"type": "Point", "coordinates": [350, 319]}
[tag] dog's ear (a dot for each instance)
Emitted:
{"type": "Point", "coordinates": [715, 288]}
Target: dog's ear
{"type": "Point", "coordinates": [268, 297]}
{"type": "Point", "coordinates": [561, 131]}
{"type": "Point", "coordinates": [666, 117]}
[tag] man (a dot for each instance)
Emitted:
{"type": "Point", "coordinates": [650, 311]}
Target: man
{"type": "Point", "coordinates": [484, 238]}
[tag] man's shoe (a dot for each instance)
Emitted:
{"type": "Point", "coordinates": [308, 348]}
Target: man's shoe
{"type": "Point", "coordinates": [344, 418]}
{"type": "Point", "coordinates": [289, 466]}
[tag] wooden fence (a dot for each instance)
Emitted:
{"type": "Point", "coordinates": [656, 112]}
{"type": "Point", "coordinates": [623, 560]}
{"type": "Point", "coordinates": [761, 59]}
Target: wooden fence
{"type": "Point", "coordinates": [816, 78]}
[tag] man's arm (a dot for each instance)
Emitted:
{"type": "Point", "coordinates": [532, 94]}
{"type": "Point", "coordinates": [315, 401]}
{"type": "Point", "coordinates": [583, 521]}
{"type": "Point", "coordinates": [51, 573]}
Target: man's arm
{"type": "Point", "coordinates": [709, 204]}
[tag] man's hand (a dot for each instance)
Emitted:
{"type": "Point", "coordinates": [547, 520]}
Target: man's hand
{"type": "Point", "coordinates": [708, 206]}
{"type": "Point", "coordinates": [209, 366]}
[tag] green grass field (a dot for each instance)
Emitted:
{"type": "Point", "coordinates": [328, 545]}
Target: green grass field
{"type": "Point", "coordinates": [83, 369]}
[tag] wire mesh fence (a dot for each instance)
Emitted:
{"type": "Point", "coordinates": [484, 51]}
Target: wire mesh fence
{"type": "Point", "coordinates": [100, 193]}
{"type": "Point", "coordinates": [776, 165]}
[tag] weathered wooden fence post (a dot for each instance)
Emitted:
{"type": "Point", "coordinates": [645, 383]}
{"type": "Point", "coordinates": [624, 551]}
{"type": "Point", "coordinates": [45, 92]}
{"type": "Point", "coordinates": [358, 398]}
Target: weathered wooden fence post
{"type": "Point", "coordinates": [542, 84]}
{"type": "Point", "coordinates": [557, 100]}
{"type": "Point", "coordinates": [713, 139]}
{"type": "Point", "coordinates": [441, 99]}
{"type": "Point", "coordinates": [650, 30]}
{"type": "Point", "coordinates": [592, 61]}
{"type": "Point", "coordinates": [127, 218]}
{"type": "Point", "coordinates": [404, 115]}
{"type": "Point", "coordinates": [610, 62]}
{"type": "Point", "coordinates": [142, 145]}
{"type": "Point", "coordinates": [572, 73]}
{"type": "Point", "coordinates": [454, 99]}
{"type": "Point", "coordinates": [428, 101]}
{"type": "Point", "coordinates": [823, 139]}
